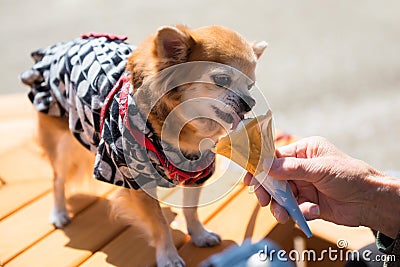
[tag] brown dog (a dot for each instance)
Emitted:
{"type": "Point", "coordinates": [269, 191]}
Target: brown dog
{"type": "Point", "coordinates": [77, 88]}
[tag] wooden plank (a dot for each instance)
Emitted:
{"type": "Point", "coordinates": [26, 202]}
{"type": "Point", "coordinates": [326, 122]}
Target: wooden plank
{"type": "Point", "coordinates": [130, 248]}
{"type": "Point", "coordinates": [26, 174]}
{"type": "Point", "coordinates": [240, 219]}
{"type": "Point", "coordinates": [23, 170]}
{"type": "Point", "coordinates": [249, 223]}
{"type": "Point", "coordinates": [356, 237]}
{"type": "Point", "coordinates": [282, 234]}
{"type": "Point", "coordinates": [88, 232]}
{"type": "Point", "coordinates": [205, 212]}
{"type": "Point", "coordinates": [15, 131]}
{"type": "Point", "coordinates": [119, 251]}
{"type": "Point", "coordinates": [25, 162]}
{"type": "Point", "coordinates": [17, 120]}
{"type": "Point", "coordinates": [22, 229]}
{"type": "Point", "coordinates": [27, 193]}
{"type": "Point", "coordinates": [8, 104]}
{"type": "Point", "coordinates": [287, 237]}
{"type": "Point", "coordinates": [324, 233]}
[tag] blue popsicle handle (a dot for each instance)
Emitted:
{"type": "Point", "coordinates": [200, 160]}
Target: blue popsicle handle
{"type": "Point", "coordinates": [280, 191]}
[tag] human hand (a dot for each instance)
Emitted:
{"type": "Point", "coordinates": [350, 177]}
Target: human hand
{"type": "Point", "coordinates": [327, 183]}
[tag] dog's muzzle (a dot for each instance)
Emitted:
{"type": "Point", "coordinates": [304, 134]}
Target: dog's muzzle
{"type": "Point", "coordinates": [246, 103]}
{"type": "Point", "coordinates": [234, 107]}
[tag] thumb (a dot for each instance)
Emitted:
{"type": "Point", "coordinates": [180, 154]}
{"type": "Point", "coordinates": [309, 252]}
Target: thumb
{"type": "Point", "coordinates": [292, 169]}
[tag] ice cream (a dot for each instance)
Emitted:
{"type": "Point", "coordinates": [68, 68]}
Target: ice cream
{"type": "Point", "coordinates": [251, 145]}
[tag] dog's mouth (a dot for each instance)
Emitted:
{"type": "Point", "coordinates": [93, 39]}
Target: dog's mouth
{"type": "Point", "coordinates": [229, 117]}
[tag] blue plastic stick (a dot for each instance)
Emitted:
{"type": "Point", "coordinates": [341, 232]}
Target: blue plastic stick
{"type": "Point", "coordinates": [280, 191]}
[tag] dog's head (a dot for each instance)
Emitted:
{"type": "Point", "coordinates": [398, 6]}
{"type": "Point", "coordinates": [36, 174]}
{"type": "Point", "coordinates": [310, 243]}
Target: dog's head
{"type": "Point", "coordinates": [204, 88]}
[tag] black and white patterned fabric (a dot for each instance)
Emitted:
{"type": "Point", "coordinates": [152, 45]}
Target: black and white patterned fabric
{"type": "Point", "coordinates": [73, 79]}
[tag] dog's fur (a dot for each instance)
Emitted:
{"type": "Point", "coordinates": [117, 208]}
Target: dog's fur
{"type": "Point", "coordinates": [167, 47]}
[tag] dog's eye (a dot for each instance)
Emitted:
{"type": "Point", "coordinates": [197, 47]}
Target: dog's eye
{"type": "Point", "coordinates": [222, 80]}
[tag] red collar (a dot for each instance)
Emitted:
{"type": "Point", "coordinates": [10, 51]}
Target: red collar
{"type": "Point", "coordinates": [174, 173]}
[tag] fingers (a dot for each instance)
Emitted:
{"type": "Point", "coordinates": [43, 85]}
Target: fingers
{"type": "Point", "coordinates": [248, 179]}
{"type": "Point", "coordinates": [291, 169]}
{"type": "Point", "coordinates": [290, 150]}
{"type": "Point", "coordinates": [298, 149]}
{"type": "Point", "coordinates": [263, 197]}
{"type": "Point", "coordinates": [279, 212]}
{"type": "Point", "coordinates": [309, 147]}
{"type": "Point", "coordinates": [310, 210]}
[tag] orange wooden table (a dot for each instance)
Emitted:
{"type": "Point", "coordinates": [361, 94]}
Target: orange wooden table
{"type": "Point", "coordinates": [93, 239]}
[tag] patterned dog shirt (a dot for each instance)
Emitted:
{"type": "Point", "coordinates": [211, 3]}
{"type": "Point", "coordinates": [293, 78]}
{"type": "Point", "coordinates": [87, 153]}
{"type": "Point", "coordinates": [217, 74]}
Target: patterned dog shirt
{"type": "Point", "coordinates": [84, 80]}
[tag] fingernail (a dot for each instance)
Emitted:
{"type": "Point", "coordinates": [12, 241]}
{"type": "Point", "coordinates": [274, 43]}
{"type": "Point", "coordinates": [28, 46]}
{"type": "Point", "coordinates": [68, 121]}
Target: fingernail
{"type": "Point", "coordinates": [276, 214]}
{"type": "Point", "coordinates": [314, 211]}
{"type": "Point", "coordinates": [281, 218]}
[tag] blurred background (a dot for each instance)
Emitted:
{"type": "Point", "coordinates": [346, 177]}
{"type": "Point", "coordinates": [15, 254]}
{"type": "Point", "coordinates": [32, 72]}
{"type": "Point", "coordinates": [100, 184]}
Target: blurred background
{"type": "Point", "coordinates": [332, 68]}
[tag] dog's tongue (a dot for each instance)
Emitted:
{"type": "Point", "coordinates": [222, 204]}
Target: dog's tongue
{"type": "Point", "coordinates": [236, 121]}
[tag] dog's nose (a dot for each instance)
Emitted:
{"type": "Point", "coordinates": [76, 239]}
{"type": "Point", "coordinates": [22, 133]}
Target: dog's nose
{"type": "Point", "coordinates": [247, 103]}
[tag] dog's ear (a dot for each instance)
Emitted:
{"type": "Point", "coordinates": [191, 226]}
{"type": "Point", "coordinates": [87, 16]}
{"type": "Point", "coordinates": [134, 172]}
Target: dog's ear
{"type": "Point", "coordinates": [259, 47]}
{"type": "Point", "coordinates": [173, 43]}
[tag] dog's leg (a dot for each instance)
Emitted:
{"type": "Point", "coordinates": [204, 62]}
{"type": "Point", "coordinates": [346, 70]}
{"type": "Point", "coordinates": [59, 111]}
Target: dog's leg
{"type": "Point", "coordinates": [199, 235]}
{"type": "Point", "coordinates": [140, 209]}
{"type": "Point", "coordinates": [59, 216]}
{"type": "Point", "coordinates": [57, 142]}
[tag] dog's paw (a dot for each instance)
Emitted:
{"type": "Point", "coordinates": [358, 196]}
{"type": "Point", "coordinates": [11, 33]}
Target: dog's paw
{"type": "Point", "coordinates": [205, 239]}
{"type": "Point", "coordinates": [170, 260]}
{"type": "Point", "coordinates": [59, 218]}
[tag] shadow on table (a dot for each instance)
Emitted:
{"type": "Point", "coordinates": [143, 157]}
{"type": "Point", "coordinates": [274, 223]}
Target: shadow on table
{"type": "Point", "coordinates": [93, 231]}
